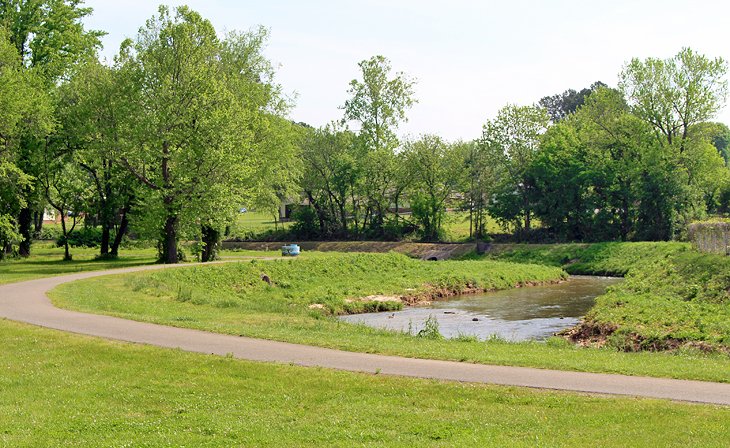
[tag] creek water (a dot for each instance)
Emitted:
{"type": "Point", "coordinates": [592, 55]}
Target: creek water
{"type": "Point", "coordinates": [521, 314]}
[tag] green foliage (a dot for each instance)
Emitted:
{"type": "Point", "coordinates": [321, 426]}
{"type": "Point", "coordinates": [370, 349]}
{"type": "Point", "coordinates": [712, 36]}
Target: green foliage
{"type": "Point", "coordinates": [674, 94]}
{"type": "Point", "coordinates": [379, 103]}
{"type": "Point", "coordinates": [435, 171]}
{"type": "Point", "coordinates": [430, 329]}
{"type": "Point", "coordinates": [561, 105]}
{"type": "Point", "coordinates": [512, 140]}
{"type": "Point", "coordinates": [84, 237]}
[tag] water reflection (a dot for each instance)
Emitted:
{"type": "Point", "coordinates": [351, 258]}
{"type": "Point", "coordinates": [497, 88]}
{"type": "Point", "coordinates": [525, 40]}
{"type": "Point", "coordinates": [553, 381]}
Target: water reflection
{"type": "Point", "coordinates": [533, 313]}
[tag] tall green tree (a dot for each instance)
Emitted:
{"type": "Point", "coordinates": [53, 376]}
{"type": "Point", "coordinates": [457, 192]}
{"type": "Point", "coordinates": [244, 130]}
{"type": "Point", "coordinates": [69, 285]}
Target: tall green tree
{"type": "Point", "coordinates": [378, 104]}
{"type": "Point", "coordinates": [24, 111]}
{"type": "Point", "coordinates": [49, 38]}
{"type": "Point", "coordinates": [674, 94]}
{"type": "Point", "coordinates": [560, 105]}
{"type": "Point", "coordinates": [201, 126]}
{"type": "Point", "coordinates": [435, 168]}
{"type": "Point", "coordinates": [512, 141]}
{"type": "Point", "coordinates": [92, 112]}
{"type": "Point", "coordinates": [330, 175]}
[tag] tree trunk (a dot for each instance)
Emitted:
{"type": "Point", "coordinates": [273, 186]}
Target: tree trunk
{"type": "Point", "coordinates": [211, 244]}
{"type": "Point", "coordinates": [168, 253]}
{"type": "Point", "coordinates": [66, 251]}
{"type": "Point", "coordinates": [38, 222]}
{"type": "Point", "coordinates": [25, 223]}
{"type": "Point", "coordinates": [105, 237]}
{"type": "Point", "coordinates": [114, 250]}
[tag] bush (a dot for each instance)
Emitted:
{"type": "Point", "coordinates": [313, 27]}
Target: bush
{"type": "Point", "coordinates": [49, 233]}
{"type": "Point", "coordinates": [305, 226]}
{"type": "Point", "coordinates": [84, 237]}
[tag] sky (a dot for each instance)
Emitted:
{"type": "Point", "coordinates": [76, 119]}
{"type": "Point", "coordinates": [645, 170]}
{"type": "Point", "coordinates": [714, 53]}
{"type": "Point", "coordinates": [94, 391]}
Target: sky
{"type": "Point", "coordinates": [469, 58]}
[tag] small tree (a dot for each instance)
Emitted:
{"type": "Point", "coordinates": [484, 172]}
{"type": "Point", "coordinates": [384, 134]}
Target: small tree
{"type": "Point", "coordinates": [512, 140]}
{"type": "Point", "coordinates": [435, 169]}
{"type": "Point", "coordinates": [378, 104]}
{"type": "Point", "coordinates": [67, 191]}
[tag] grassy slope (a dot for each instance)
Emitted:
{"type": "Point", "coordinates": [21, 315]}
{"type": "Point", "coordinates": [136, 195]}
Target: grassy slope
{"type": "Point", "coordinates": [66, 390]}
{"type": "Point", "coordinates": [232, 299]}
{"type": "Point", "coordinates": [587, 259]}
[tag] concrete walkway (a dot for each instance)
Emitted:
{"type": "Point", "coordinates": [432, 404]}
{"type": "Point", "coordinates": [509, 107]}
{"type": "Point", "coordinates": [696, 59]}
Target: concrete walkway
{"type": "Point", "coordinates": [27, 302]}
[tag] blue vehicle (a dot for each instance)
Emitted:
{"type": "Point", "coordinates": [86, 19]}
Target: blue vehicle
{"type": "Point", "coordinates": [290, 250]}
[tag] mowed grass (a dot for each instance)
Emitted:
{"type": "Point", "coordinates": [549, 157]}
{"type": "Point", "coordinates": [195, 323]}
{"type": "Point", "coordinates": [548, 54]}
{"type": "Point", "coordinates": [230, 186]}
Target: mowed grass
{"type": "Point", "coordinates": [254, 222]}
{"type": "Point", "coordinates": [47, 260]}
{"type": "Point", "coordinates": [232, 299]}
{"type": "Point", "coordinates": [61, 389]}
{"type": "Point", "coordinates": [456, 226]}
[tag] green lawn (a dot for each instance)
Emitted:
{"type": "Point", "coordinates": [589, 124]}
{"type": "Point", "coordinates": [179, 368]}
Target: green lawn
{"type": "Point", "coordinates": [61, 389]}
{"type": "Point", "coordinates": [232, 299]}
{"type": "Point", "coordinates": [47, 260]}
{"type": "Point", "coordinates": [456, 226]}
{"type": "Point", "coordinates": [256, 223]}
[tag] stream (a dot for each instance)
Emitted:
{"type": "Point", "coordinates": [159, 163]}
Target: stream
{"type": "Point", "coordinates": [521, 314]}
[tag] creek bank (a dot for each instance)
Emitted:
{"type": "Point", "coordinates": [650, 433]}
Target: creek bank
{"type": "Point", "coordinates": [423, 297]}
{"type": "Point", "coordinates": [516, 314]}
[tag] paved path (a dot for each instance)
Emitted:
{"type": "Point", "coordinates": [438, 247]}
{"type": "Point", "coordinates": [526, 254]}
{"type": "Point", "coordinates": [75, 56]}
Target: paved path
{"type": "Point", "coordinates": [27, 302]}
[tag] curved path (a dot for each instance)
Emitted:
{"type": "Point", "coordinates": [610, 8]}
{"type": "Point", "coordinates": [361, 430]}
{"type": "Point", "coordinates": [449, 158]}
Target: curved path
{"type": "Point", "coordinates": [27, 302]}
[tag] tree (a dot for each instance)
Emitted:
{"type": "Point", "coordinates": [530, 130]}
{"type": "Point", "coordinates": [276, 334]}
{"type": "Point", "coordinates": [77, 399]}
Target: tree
{"type": "Point", "coordinates": [512, 140]}
{"type": "Point", "coordinates": [716, 133]}
{"type": "Point", "coordinates": [378, 104]}
{"type": "Point", "coordinates": [24, 110]}
{"type": "Point", "coordinates": [330, 174]}
{"type": "Point", "coordinates": [197, 137]}
{"type": "Point", "coordinates": [674, 94]}
{"type": "Point", "coordinates": [49, 38]}
{"type": "Point", "coordinates": [66, 190]}
{"type": "Point", "coordinates": [435, 169]}
{"type": "Point", "coordinates": [478, 180]}
{"type": "Point", "coordinates": [560, 105]}
{"type": "Point", "coordinates": [92, 112]}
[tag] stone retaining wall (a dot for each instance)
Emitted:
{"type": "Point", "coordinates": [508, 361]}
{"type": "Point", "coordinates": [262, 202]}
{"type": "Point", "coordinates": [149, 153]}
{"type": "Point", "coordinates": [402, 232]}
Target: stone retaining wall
{"type": "Point", "coordinates": [710, 237]}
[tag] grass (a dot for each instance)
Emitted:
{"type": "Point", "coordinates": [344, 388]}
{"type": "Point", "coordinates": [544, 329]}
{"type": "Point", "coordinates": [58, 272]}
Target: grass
{"type": "Point", "coordinates": [232, 299]}
{"type": "Point", "coordinates": [670, 301]}
{"type": "Point", "coordinates": [614, 259]}
{"type": "Point", "coordinates": [61, 389]}
{"type": "Point", "coordinates": [334, 280]}
{"type": "Point", "coordinates": [254, 223]}
{"type": "Point", "coordinates": [456, 226]}
{"type": "Point", "coordinates": [47, 261]}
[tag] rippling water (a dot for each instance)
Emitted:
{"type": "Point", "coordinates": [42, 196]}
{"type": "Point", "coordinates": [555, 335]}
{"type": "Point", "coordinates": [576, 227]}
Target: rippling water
{"type": "Point", "coordinates": [533, 313]}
